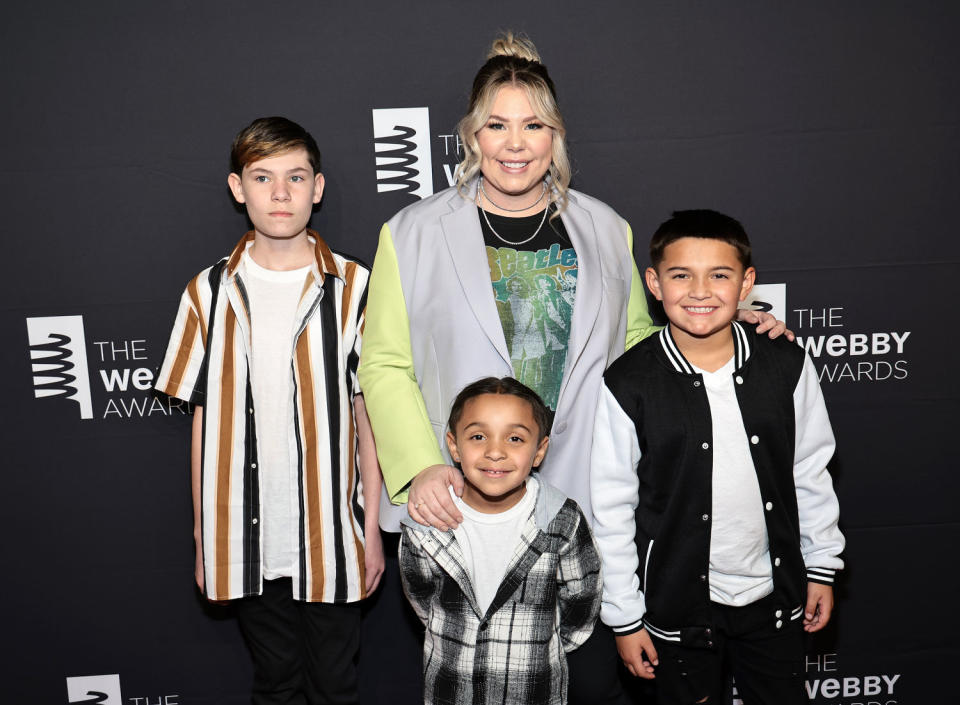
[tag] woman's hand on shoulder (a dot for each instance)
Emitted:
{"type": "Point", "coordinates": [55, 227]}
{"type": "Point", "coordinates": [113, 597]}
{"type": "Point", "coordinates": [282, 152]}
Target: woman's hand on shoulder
{"type": "Point", "coordinates": [766, 323]}
{"type": "Point", "coordinates": [429, 502]}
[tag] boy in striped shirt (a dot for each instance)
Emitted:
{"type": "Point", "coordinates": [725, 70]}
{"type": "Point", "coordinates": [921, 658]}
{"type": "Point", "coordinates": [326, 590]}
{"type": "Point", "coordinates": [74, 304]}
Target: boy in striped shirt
{"type": "Point", "coordinates": [285, 478]}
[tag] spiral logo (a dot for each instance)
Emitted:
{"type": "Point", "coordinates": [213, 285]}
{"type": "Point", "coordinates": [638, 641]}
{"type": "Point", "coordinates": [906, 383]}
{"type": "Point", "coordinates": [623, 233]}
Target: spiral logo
{"type": "Point", "coordinates": [401, 138]}
{"type": "Point", "coordinates": [58, 357]}
{"type": "Point", "coordinates": [94, 690]}
{"type": "Point", "coordinates": [770, 298]}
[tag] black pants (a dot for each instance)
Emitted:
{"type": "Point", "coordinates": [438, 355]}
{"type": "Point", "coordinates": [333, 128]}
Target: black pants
{"type": "Point", "coordinates": [766, 662]}
{"type": "Point", "coordinates": [304, 653]}
{"type": "Point", "coordinates": [594, 670]}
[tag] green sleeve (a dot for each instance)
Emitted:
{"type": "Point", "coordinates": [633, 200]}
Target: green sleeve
{"type": "Point", "coordinates": [639, 323]}
{"type": "Point", "coordinates": [404, 435]}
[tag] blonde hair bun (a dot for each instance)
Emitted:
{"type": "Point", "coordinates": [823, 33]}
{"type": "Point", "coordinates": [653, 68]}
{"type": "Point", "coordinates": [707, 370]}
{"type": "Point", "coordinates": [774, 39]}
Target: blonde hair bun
{"type": "Point", "coordinates": [510, 45]}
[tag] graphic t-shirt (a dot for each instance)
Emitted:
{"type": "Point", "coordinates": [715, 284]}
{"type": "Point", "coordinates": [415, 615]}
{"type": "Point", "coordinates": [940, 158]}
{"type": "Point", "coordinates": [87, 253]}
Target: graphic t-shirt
{"type": "Point", "coordinates": [534, 284]}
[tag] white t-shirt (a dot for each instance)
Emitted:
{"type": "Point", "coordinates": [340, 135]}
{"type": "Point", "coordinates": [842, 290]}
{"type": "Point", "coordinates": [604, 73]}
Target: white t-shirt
{"type": "Point", "coordinates": [740, 571]}
{"type": "Point", "coordinates": [488, 542]}
{"type": "Point", "coordinates": [274, 296]}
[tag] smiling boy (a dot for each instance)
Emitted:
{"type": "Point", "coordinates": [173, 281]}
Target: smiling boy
{"type": "Point", "coordinates": [714, 512]}
{"type": "Point", "coordinates": [285, 478]}
{"type": "Point", "coordinates": [516, 585]}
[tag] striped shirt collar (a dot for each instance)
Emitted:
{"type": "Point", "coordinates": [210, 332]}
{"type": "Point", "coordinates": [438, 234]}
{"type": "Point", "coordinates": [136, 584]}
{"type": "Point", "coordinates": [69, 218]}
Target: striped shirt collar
{"type": "Point", "coordinates": [324, 264]}
{"type": "Point", "coordinates": [741, 349]}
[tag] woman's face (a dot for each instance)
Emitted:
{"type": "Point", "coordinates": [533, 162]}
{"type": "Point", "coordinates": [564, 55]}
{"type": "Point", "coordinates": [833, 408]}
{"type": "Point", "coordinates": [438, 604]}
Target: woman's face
{"type": "Point", "coordinates": [516, 149]}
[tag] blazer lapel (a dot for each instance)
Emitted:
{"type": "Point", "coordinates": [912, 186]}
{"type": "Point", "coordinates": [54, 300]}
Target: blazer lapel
{"type": "Point", "coordinates": [464, 239]}
{"type": "Point", "coordinates": [586, 303]}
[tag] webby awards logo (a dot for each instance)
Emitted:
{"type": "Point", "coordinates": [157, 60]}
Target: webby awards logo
{"type": "Point", "coordinates": [841, 350]}
{"type": "Point", "coordinates": [61, 361]}
{"type": "Point", "coordinates": [105, 690]}
{"type": "Point", "coordinates": [401, 138]}
{"type": "Point", "coordinates": [826, 683]}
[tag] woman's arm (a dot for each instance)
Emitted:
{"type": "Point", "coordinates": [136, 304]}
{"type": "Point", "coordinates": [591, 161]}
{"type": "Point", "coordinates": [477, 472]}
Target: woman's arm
{"type": "Point", "coordinates": [406, 445]}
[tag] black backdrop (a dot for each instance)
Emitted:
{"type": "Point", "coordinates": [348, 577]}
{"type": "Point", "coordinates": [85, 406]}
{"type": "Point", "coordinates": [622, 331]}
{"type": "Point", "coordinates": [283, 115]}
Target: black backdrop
{"type": "Point", "coordinates": [830, 129]}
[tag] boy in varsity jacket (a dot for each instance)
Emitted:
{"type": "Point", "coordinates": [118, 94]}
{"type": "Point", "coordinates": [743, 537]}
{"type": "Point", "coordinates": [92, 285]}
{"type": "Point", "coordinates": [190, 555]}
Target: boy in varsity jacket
{"type": "Point", "coordinates": [714, 511]}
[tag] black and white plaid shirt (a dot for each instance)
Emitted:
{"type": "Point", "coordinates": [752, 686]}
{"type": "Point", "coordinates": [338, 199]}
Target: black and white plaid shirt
{"type": "Point", "coordinates": [545, 606]}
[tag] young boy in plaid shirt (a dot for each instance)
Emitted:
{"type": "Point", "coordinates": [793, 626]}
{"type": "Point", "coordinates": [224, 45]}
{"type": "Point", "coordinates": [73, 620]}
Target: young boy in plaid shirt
{"type": "Point", "coordinates": [517, 585]}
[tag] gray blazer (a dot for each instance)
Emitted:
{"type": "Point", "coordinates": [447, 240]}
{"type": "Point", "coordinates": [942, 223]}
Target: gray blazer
{"type": "Point", "coordinates": [455, 331]}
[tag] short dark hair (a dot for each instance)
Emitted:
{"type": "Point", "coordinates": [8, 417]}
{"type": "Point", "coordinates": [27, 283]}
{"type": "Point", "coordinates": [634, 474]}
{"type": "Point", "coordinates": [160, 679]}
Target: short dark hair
{"type": "Point", "coordinates": [702, 223]}
{"type": "Point", "coordinates": [269, 136]}
{"type": "Point", "coordinates": [502, 385]}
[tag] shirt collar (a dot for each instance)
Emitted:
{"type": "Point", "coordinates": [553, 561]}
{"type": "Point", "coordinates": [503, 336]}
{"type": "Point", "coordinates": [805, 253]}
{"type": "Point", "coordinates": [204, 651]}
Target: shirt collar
{"type": "Point", "coordinates": [741, 349]}
{"type": "Point", "coordinates": [324, 262]}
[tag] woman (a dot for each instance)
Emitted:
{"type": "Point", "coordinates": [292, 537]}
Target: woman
{"type": "Point", "coordinates": [445, 299]}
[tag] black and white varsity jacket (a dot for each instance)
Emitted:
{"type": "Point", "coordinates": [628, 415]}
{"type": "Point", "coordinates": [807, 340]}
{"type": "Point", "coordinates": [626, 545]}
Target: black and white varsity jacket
{"type": "Point", "coordinates": [651, 482]}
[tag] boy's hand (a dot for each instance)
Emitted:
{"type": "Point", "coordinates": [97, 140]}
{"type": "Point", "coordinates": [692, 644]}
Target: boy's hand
{"type": "Point", "coordinates": [766, 323]}
{"type": "Point", "coordinates": [373, 561]}
{"type": "Point", "coordinates": [819, 607]}
{"type": "Point", "coordinates": [632, 648]}
{"type": "Point", "coordinates": [429, 501]}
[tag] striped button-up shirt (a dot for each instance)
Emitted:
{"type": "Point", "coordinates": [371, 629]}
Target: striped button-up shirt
{"type": "Point", "coordinates": [208, 363]}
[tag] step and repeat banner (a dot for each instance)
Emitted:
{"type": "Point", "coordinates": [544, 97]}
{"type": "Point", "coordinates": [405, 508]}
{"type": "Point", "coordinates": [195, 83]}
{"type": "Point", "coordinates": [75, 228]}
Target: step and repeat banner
{"type": "Point", "coordinates": [832, 131]}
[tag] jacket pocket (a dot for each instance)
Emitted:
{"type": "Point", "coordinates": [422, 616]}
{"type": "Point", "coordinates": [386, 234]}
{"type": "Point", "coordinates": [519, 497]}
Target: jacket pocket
{"type": "Point", "coordinates": [431, 391]}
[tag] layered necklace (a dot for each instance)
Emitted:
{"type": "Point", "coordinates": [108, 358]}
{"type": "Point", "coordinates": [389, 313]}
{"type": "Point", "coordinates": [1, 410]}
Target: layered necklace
{"type": "Point", "coordinates": [513, 210]}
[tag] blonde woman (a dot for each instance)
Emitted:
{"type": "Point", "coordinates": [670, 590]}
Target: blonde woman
{"type": "Point", "coordinates": [440, 315]}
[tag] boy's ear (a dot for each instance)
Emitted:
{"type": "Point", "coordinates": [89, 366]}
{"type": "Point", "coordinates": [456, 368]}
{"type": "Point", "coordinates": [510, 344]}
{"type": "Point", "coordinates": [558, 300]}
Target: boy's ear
{"type": "Point", "coordinates": [749, 279]}
{"type": "Point", "coordinates": [236, 187]}
{"type": "Point", "coordinates": [452, 447]}
{"type": "Point", "coordinates": [318, 183]}
{"type": "Point", "coordinates": [541, 451]}
{"type": "Point", "coordinates": [653, 282]}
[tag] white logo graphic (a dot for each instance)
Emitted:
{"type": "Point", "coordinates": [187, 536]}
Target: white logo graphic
{"type": "Point", "coordinates": [58, 351]}
{"type": "Point", "coordinates": [771, 298]}
{"type": "Point", "coordinates": [402, 142]}
{"type": "Point", "coordinates": [94, 690]}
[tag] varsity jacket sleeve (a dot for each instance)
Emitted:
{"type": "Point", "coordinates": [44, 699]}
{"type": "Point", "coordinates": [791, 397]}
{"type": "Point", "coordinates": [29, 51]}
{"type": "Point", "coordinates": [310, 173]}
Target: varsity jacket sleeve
{"type": "Point", "coordinates": [579, 585]}
{"type": "Point", "coordinates": [639, 323]}
{"type": "Point", "coordinates": [820, 539]}
{"type": "Point", "coordinates": [614, 495]}
{"type": "Point", "coordinates": [416, 573]}
{"type": "Point", "coordinates": [180, 372]}
{"type": "Point", "coordinates": [406, 443]}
